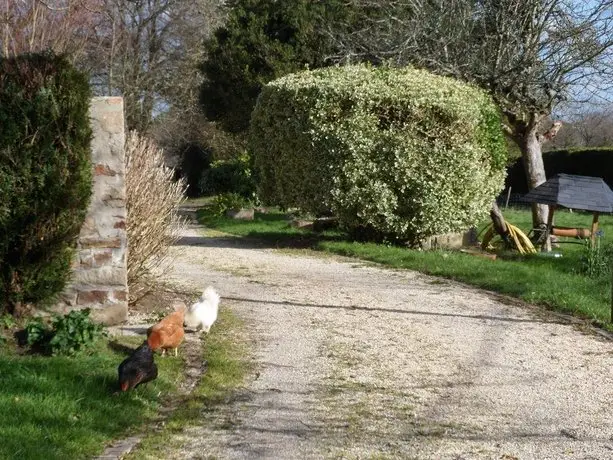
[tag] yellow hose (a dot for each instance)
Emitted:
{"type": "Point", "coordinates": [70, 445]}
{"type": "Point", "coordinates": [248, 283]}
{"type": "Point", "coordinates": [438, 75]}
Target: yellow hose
{"type": "Point", "coordinates": [521, 240]}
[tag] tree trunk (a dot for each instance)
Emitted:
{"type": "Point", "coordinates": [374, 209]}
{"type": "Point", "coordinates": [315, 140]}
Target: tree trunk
{"type": "Point", "coordinates": [498, 220]}
{"type": "Point", "coordinates": [535, 170]}
{"type": "Point", "coordinates": [14, 307]}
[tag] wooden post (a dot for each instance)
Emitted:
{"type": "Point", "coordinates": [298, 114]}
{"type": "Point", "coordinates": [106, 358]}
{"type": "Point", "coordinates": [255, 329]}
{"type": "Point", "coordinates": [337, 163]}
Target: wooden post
{"type": "Point", "coordinates": [498, 220]}
{"type": "Point", "coordinates": [506, 204]}
{"type": "Point", "coordinates": [594, 228]}
{"type": "Point", "coordinates": [546, 247]}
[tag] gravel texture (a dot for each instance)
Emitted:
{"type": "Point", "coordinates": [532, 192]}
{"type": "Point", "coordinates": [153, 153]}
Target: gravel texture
{"type": "Point", "coordinates": [355, 361]}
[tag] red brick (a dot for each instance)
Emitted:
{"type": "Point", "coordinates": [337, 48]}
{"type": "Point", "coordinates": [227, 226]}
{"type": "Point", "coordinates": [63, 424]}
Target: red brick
{"type": "Point", "coordinates": [102, 258]}
{"type": "Point", "coordinates": [86, 263]}
{"type": "Point", "coordinates": [86, 297]}
{"type": "Point", "coordinates": [87, 243]}
{"type": "Point", "coordinates": [103, 170]}
{"type": "Point", "coordinates": [120, 295]}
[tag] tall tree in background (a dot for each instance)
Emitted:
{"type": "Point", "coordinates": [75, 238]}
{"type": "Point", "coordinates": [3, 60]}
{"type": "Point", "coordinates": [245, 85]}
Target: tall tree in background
{"type": "Point", "coordinates": [260, 41]}
{"type": "Point", "coordinates": [147, 51]}
{"type": "Point", "coordinates": [149, 54]}
{"type": "Point", "coordinates": [529, 54]}
{"type": "Point", "coordinates": [30, 26]}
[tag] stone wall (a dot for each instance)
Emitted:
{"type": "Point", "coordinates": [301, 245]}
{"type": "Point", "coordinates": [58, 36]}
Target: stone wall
{"type": "Point", "coordinates": [100, 272]}
{"type": "Point", "coordinates": [451, 240]}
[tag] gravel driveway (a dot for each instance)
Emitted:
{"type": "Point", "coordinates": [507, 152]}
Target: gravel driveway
{"type": "Point", "coordinates": [355, 361]}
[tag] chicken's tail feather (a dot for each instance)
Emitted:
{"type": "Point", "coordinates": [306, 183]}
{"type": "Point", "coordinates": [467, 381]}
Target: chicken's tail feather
{"type": "Point", "coordinates": [154, 340]}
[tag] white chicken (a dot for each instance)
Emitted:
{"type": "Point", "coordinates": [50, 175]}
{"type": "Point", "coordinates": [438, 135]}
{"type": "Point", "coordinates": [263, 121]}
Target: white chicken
{"type": "Point", "coordinates": [203, 313]}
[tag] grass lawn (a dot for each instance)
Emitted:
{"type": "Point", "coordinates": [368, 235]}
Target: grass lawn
{"type": "Point", "coordinates": [552, 282]}
{"type": "Point", "coordinates": [56, 407]}
{"type": "Point", "coordinates": [64, 408]}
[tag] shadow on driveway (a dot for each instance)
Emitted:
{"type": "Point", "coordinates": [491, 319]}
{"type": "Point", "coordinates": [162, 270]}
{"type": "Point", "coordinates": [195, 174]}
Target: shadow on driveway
{"type": "Point", "coordinates": [402, 311]}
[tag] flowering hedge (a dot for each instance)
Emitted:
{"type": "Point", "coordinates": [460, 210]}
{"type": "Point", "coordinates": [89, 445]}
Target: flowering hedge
{"type": "Point", "coordinates": [401, 152]}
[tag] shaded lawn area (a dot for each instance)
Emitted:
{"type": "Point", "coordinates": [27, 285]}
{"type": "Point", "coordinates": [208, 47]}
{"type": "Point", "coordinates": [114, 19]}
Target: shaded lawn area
{"type": "Point", "coordinates": [553, 282]}
{"type": "Point", "coordinates": [64, 408]}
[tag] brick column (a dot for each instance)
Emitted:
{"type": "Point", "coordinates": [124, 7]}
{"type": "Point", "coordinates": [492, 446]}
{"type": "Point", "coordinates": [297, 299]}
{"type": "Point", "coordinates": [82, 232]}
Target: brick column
{"type": "Point", "coordinates": [100, 272]}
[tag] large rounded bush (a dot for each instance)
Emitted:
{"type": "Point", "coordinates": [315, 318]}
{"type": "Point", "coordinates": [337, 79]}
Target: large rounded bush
{"type": "Point", "coordinates": [401, 152]}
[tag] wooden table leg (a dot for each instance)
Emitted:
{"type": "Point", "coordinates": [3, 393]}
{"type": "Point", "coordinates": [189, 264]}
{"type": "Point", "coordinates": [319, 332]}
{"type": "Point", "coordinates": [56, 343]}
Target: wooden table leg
{"type": "Point", "coordinates": [546, 247]}
{"type": "Point", "coordinates": [594, 228]}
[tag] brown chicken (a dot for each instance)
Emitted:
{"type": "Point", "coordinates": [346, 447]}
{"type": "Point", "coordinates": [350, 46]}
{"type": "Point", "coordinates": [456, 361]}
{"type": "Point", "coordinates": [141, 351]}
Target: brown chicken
{"type": "Point", "coordinates": [168, 333]}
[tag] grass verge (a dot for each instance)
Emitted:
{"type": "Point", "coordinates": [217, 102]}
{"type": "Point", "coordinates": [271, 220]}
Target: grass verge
{"type": "Point", "coordinates": [552, 282]}
{"type": "Point", "coordinates": [225, 350]}
{"type": "Point", "coordinates": [60, 407]}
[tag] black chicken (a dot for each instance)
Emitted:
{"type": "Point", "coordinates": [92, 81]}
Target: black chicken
{"type": "Point", "coordinates": [137, 368]}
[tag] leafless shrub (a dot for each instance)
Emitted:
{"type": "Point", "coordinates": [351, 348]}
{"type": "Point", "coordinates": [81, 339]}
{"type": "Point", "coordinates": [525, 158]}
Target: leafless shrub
{"type": "Point", "coordinates": [152, 200]}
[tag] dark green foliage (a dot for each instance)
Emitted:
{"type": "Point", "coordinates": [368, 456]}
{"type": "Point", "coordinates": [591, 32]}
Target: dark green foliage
{"type": "Point", "coordinates": [67, 335]}
{"type": "Point", "coordinates": [596, 162]}
{"type": "Point", "coordinates": [194, 162]}
{"type": "Point", "coordinates": [7, 322]}
{"type": "Point", "coordinates": [261, 41]}
{"type": "Point", "coordinates": [45, 174]}
{"type": "Point", "coordinates": [229, 176]}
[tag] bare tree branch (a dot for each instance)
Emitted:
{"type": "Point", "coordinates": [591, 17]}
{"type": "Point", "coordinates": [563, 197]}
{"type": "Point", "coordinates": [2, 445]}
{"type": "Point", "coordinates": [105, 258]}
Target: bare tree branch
{"type": "Point", "coordinates": [530, 55]}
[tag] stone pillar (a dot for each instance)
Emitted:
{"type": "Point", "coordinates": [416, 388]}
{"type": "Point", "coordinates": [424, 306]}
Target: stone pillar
{"type": "Point", "coordinates": [100, 279]}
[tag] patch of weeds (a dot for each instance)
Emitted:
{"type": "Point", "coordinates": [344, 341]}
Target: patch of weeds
{"type": "Point", "coordinates": [240, 271]}
{"type": "Point", "coordinates": [37, 332]}
{"type": "Point", "coordinates": [343, 354]}
{"type": "Point", "coordinates": [7, 321]}
{"type": "Point", "coordinates": [353, 386]}
{"type": "Point", "coordinates": [437, 430]}
{"type": "Point", "coordinates": [407, 409]}
{"type": "Point", "coordinates": [228, 202]}
{"type": "Point", "coordinates": [159, 316]}
{"type": "Point", "coordinates": [67, 334]}
{"type": "Point", "coordinates": [597, 259]}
